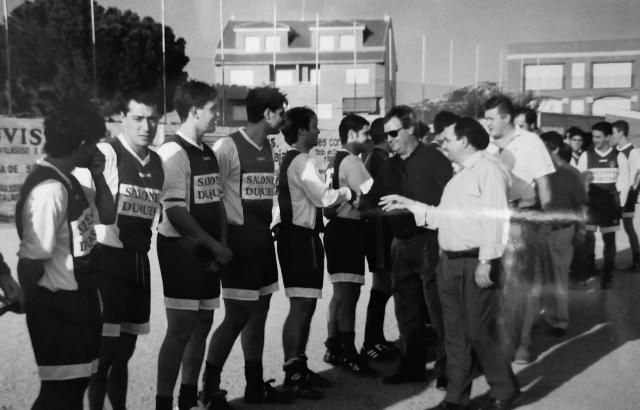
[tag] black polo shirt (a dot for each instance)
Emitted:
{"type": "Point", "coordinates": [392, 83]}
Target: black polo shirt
{"type": "Point", "coordinates": [421, 176]}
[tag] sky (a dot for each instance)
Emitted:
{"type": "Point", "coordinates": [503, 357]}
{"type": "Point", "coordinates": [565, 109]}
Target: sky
{"type": "Point", "coordinates": [491, 24]}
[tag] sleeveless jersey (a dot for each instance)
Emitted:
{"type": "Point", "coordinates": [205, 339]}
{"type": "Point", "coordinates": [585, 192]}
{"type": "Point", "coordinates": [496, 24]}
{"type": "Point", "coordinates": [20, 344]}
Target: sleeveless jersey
{"type": "Point", "coordinates": [205, 190]}
{"type": "Point", "coordinates": [605, 171]}
{"type": "Point", "coordinates": [137, 198]}
{"type": "Point", "coordinates": [82, 235]}
{"type": "Point", "coordinates": [257, 181]}
{"type": "Point", "coordinates": [284, 194]}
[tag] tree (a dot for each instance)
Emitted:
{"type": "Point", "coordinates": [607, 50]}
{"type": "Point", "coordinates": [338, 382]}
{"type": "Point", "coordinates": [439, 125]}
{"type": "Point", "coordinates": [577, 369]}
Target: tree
{"type": "Point", "coordinates": [52, 57]}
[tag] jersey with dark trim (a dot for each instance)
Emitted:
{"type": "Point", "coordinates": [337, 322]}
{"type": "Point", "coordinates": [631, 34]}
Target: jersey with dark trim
{"type": "Point", "coordinates": [332, 211]}
{"type": "Point", "coordinates": [205, 189]}
{"type": "Point", "coordinates": [284, 194]}
{"type": "Point", "coordinates": [80, 221]}
{"type": "Point", "coordinates": [605, 169]}
{"type": "Point", "coordinates": [138, 196]}
{"type": "Point", "coordinates": [257, 181]}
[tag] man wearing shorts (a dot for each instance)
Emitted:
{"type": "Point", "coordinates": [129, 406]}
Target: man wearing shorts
{"type": "Point", "coordinates": [134, 175]}
{"type": "Point", "coordinates": [246, 167]}
{"type": "Point", "coordinates": [298, 223]}
{"type": "Point", "coordinates": [55, 221]}
{"type": "Point", "coordinates": [345, 247]}
{"type": "Point", "coordinates": [191, 247]}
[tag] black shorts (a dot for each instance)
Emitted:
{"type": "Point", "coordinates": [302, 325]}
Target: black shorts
{"type": "Point", "coordinates": [253, 271]}
{"type": "Point", "coordinates": [187, 283]}
{"type": "Point", "coordinates": [629, 209]}
{"type": "Point", "coordinates": [344, 245]}
{"type": "Point", "coordinates": [377, 243]}
{"type": "Point", "coordinates": [603, 213]}
{"type": "Point", "coordinates": [65, 328]}
{"type": "Point", "coordinates": [124, 283]}
{"type": "Point", "coordinates": [301, 261]}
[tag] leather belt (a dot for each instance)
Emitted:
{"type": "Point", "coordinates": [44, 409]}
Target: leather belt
{"type": "Point", "coordinates": [468, 253]}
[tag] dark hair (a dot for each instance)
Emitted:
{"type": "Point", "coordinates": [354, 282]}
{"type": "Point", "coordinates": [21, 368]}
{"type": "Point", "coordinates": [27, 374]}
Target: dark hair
{"type": "Point", "coordinates": [571, 131]}
{"type": "Point", "coordinates": [530, 115]}
{"type": "Point", "coordinates": [442, 120]}
{"type": "Point", "coordinates": [150, 97]}
{"type": "Point", "coordinates": [421, 130]}
{"type": "Point", "coordinates": [602, 126]}
{"type": "Point", "coordinates": [564, 152]}
{"type": "Point", "coordinates": [404, 113]}
{"type": "Point", "coordinates": [622, 126]}
{"type": "Point", "coordinates": [350, 122]}
{"type": "Point", "coordinates": [295, 119]}
{"type": "Point", "coordinates": [474, 131]}
{"type": "Point", "coordinates": [70, 125]}
{"type": "Point", "coordinates": [261, 98]}
{"type": "Point", "coordinates": [376, 131]}
{"type": "Point", "coordinates": [551, 139]}
{"type": "Point", "coordinates": [502, 103]}
{"type": "Point", "coordinates": [192, 94]}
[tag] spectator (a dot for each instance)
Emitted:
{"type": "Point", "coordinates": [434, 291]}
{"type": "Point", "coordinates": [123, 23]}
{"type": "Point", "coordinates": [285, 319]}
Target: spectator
{"type": "Point", "coordinates": [527, 119]}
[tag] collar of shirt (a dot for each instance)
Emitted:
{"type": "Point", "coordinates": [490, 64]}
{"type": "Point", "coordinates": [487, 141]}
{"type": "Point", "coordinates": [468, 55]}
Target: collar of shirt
{"type": "Point", "coordinates": [619, 148]}
{"type": "Point", "coordinates": [128, 147]}
{"type": "Point", "coordinates": [181, 135]}
{"type": "Point", "coordinates": [602, 153]}
{"type": "Point", "coordinates": [472, 160]}
{"type": "Point", "coordinates": [244, 134]}
{"type": "Point", "coordinates": [45, 163]}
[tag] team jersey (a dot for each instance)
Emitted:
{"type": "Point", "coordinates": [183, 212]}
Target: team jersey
{"type": "Point", "coordinates": [136, 185]}
{"type": "Point", "coordinates": [192, 180]}
{"type": "Point", "coordinates": [55, 223]}
{"type": "Point", "coordinates": [610, 173]}
{"type": "Point", "coordinates": [249, 182]}
{"type": "Point", "coordinates": [349, 171]}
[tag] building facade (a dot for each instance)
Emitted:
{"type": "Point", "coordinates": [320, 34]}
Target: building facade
{"type": "Point", "coordinates": [577, 77]}
{"type": "Point", "coordinates": [334, 67]}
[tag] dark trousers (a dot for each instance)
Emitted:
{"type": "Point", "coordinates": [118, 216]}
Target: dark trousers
{"type": "Point", "coordinates": [473, 331]}
{"type": "Point", "coordinates": [415, 295]}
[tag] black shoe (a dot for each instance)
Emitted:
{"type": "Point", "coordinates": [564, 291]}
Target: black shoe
{"type": "Point", "coordinates": [259, 393]}
{"type": "Point", "coordinates": [358, 365]}
{"type": "Point", "coordinates": [217, 401]}
{"type": "Point", "coordinates": [334, 354]}
{"type": "Point", "coordinates": [445, 405]}
{"type": "Point", "coordinates": [442, 383]}
{"type": "Point", "coordinates": [501, 404]}
{"type": "Point", "coordinates": [297, 385]}
{"type": "Point", "coordinates": [316, 380]}
{"type": "Point", "coordinates": [381, 352]}
{"type": "Point", "coordinates": [402, 376]}
{"type": "Point", "coordinates": [332, 358]}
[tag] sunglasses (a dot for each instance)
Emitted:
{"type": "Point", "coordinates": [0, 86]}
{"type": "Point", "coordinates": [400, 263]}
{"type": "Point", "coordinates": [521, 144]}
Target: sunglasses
{"type": "Point", "coordinates": [392, 134]}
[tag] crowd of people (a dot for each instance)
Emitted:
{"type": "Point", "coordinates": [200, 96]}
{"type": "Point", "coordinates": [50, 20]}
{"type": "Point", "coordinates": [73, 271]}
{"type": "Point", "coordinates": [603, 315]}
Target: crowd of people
{"type": "Point", "coordinates": [474, 230]}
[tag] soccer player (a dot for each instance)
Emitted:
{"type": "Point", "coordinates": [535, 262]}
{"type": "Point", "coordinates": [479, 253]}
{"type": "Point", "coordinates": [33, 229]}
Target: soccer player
{"type": "Point", "coordinates": [620, 139]}
{"type": "Point", "coordinates": [55, 221]}
{"type": "Point", "coordinates": [11, 296]}
{"type": "Point", "coordinates": [298, 222]}
{"type": "Point", "coordinates": [607, 173]}
{"type": "Point", "coordinates": [135, 177]}
{"type": "Point", "coordinates": [345, 246]}
{"type": "Point", "coordinates": [191, 247]}
{"type": "Point", "coordinates": [247, 169]}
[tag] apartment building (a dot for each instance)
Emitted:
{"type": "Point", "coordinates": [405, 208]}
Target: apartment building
{"type": "Point", "coordinates": [577, 77]}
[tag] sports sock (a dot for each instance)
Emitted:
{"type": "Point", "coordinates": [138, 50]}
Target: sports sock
{"type": "Point", "coordinates": [374, 327]}
{"type": "Point", "coordinates": [253, 372]}
{"type": "Point", "coordinates": [211, 379]}
{"type": "Point", "coordinates": [188, 396]}
{"type": "Point", "coordinates": [164, 403]}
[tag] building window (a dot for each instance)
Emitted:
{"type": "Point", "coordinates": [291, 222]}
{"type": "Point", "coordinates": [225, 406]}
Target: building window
{"type": "Point", "coordinates": [577, 75]}
{"type": "Point", "coordinates": [284, 76]}
{"type": "Point", "coordinates": [238, 112]}
{"type": "Point", "coordinates": [357, 76]}
{"type": "Point", "coordinates": [612, 75]}
{"type": "Point", "coordinates": [543, 77]}
{"type": "Point", "coordinates": [272, 43]}
{"type": "Point", "coordinates": [252, 44]}
{"type": "Point", "coordinates": [313, 74]}
{"type": "Point", "coordinates": [577, 107]}
{"type": "Point", "coordinates": [551, 105]}
{"type": "Point", "coordinates": [360, 105]}
{"type": "Point", "coordinates": [324, 111]}
{"type": "Point", "coordinates": [327, 43]}
{"type": "Point", "coordinates": [242, 77]}
{"type": "Point", "coordinates": [606, 105]}
{"type": "Point", "coordinates": [347, 42]}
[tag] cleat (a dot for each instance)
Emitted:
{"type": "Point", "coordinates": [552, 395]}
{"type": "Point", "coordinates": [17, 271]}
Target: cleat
{"type": "Point", "coordinates": [266, 393]}
{"type": "Point", "coordinates": [217, 401]}
{"type": "Point", "coordinates": [297, 385]}
{"type": "Point", "coordinates": [381, 352]}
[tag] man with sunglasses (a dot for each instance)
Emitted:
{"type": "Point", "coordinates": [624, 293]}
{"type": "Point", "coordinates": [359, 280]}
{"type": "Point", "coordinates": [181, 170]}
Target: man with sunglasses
{"type": "Point", "coordinates": [419, 172]}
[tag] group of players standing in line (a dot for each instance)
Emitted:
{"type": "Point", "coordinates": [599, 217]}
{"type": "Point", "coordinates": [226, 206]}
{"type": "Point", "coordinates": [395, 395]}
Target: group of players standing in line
{"type": "Point", "coordinates": [85, 219]}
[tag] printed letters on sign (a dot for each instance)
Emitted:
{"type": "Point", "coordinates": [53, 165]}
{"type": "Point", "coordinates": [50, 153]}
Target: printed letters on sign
{"type": "Point", "coordinates": [257, 185]}
{"type": "Point", "coordinates": [84, 235]}
{"type": "Point", "coordinates": [138, 202]}
{"type": "Point", "coordinates": [206, 188]}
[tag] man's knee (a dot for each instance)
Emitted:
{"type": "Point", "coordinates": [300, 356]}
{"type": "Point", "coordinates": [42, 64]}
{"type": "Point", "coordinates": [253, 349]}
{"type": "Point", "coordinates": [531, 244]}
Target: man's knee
{"type": "Point", "coordinates": [303, 306]}
{"type": "Point", "coordinates": [181, 323]}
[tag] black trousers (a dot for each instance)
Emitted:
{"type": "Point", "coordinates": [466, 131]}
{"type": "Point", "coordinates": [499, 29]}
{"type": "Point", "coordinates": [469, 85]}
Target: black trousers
{"type": "Point", "coordinates": [473, 330]}
{"type": "Point", "coordinates": [415, 294]}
